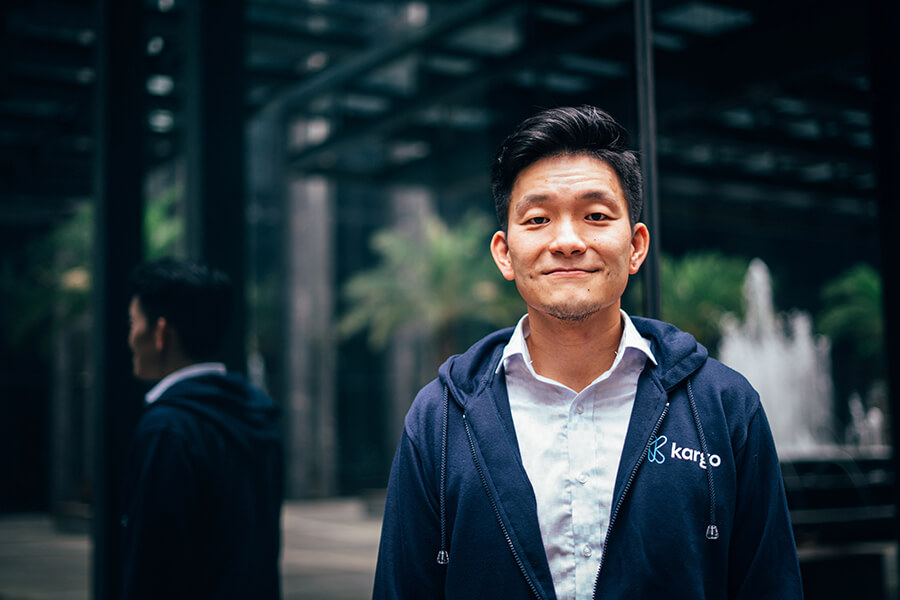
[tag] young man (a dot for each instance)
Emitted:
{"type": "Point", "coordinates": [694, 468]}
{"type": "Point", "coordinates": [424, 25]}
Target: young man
{"type": "Point", "coordinates": [204, 483]}
{"type": "Point", "coordinates": [584, 453]}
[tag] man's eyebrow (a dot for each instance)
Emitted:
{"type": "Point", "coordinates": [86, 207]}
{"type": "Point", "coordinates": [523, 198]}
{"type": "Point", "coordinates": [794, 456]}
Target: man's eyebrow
{"type": "Point", "coordinates": [529, 200]}
{"type": "Point", "coordinates": [601, 195]}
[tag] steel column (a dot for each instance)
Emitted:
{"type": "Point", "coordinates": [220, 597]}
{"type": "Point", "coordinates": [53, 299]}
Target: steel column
{"type": "Point", "coordinates": [884, 22]}
{"type": "Point", "coordinates": [214, 124]}
{"type": "Point", "coordinates": [643, 37]}
{"type": "Point", "coordinates": [118, 176]}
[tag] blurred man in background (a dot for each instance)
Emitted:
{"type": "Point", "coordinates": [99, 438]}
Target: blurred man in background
{"type": "Point", "coordinates": [204, 480]}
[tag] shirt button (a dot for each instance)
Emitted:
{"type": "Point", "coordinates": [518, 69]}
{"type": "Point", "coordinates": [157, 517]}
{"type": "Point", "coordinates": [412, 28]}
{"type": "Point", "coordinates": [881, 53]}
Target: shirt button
{"type": "Point", "coordinates": [582, 478]}
{"type": "Point", "coordinates": [579, 408]}
{"type": "Point", "coordinates": [586, 550]}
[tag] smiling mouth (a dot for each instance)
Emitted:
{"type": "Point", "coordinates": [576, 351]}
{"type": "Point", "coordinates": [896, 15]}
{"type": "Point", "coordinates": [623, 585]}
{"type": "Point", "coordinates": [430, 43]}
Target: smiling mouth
{"type": "Point", "coordinates": [564, 272]}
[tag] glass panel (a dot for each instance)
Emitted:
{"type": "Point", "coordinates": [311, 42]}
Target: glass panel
{"type": "Point", "coordinates": [770, 234]}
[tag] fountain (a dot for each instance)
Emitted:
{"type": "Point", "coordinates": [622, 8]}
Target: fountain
{"type": "Point", "coordinates": [790, 367]}
{"type": "Point", "coordinates": [838, 481]}
{"type": "Point", "coordinates": [786, 364]}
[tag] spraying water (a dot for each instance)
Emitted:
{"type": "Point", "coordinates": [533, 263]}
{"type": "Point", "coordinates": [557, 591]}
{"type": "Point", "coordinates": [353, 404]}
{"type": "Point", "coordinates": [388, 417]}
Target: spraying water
{"type": "Point", "coordinates": [786, 364]}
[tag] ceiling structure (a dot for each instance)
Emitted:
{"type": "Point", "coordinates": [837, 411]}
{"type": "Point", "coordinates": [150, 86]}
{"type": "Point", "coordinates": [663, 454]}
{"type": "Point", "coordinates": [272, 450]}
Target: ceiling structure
{"type": "Point", "coordinates": [763, 120]}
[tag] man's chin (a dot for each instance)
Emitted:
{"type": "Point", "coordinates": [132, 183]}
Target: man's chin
{"type": "Point", "coordinates": [572, 313]}
{"type": "Point", "coordinates": [570, 317]}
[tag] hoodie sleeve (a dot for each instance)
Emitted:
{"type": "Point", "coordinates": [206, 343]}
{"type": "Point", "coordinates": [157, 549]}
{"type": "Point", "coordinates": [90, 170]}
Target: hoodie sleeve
{"type": "Point", "coordinates": [763, 563]}
{"type": "Point", "coordinates": [410, 537]}
{"type": "Point", "coordinates": [158, 519]}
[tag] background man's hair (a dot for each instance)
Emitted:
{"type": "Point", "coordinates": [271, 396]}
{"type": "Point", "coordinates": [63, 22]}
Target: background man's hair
{"type": "Point", "coordinates": [194, 299]}
{"type": "Point", "coordinates": [566, 130]}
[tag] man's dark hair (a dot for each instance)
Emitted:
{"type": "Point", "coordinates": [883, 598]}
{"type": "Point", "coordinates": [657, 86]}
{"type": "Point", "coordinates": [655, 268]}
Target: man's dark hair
{"type": "Point", "coordinates": [568, 130]}
{"type": "Point", "coordinates": [194, 299]}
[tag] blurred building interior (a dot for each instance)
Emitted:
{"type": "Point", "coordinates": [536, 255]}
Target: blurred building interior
{"type": "Point", "coordinates": [272, 138]}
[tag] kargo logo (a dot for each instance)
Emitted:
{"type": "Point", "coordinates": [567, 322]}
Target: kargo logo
{"type": "Point", "coordinates": [656, 455]}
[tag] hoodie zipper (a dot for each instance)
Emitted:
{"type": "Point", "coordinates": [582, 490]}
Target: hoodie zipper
{"type": "Point", "coordinates": [497, 512]}
{"type": "Point", "coordinates": [612, 518]}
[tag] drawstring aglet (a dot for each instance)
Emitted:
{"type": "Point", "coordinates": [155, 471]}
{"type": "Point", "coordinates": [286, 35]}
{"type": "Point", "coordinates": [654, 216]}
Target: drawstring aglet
{"type": "Point", "coordinates": [712, 533]}
{"type": "Point", "coordinates": [443, 557]}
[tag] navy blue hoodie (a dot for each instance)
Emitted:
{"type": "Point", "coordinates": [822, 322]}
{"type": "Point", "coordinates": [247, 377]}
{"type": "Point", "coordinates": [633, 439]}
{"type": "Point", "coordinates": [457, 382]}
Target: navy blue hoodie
{"type": "Point", "coordinates": [202, 495]}
{"type": "Point", "coordinates": [699, 508]}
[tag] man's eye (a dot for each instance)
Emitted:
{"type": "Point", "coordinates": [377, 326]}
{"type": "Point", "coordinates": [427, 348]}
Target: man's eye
{"type": "Point", "coordinates": [596, 217]}
{"type": "Point", "coordinates": [537, 220]}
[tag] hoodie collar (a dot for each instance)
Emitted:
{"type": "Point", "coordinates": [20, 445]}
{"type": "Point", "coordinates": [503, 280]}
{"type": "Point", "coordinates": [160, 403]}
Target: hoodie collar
{"type": "Point", "coordinates": [676, 356]}
{"type": "Point", "coordinates": [195, 370]}
{"type": "Point", "coordinates": [678, 353]}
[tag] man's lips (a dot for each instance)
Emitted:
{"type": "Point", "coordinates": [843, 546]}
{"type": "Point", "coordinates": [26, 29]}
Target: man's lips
{"type": "Point", "coordinates": [562, 271]}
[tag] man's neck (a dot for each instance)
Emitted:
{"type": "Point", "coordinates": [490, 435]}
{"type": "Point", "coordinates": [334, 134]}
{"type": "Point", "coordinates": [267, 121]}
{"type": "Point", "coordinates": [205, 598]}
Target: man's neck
{"type": "Point", "coordinates": [176, 364]}
{"type": "Point", "coordinates": [574, 353]}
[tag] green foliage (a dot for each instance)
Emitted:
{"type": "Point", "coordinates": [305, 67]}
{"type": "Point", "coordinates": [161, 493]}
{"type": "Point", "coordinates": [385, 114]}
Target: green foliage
{"type": "Point", "coordinates": [699, 289]}
{"type": "Point", "coordinates": [51, 285]}
{"type": "Point", "coordinates": [445, 281]}
{"type": "Point", "coordinates": [163, 229]}
{"type": "Point", "coordinates": [852, 312]}
{"type": "Point", "coordinates": [56, 282]}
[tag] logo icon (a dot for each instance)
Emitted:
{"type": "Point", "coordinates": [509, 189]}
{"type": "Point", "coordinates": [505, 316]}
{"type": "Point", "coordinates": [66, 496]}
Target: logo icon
{"type": "Point", "coordinates": [654, 454]}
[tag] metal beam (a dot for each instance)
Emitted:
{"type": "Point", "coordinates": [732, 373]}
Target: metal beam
{"type": "Point", "coordinates": [491, 73]}
{"type": "Point", "coordinates": [349, 70]}
{"type": "Point", "coordinates": [215, 118]}
{"type": "Point", "coordinates": [884, 22]}
{"type": "Point", "coordinates": [118, 178]}
{"type": "Point", "coordinates": [646, 102]}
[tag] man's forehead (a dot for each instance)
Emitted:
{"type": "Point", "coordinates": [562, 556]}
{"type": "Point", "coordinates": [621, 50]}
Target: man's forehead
{"type": "Point", "coordinates": [584, 175]}
{"type": "Point", "coordinates": [585, 161]}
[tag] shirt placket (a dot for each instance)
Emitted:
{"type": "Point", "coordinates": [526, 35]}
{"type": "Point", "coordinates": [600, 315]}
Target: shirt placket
{"type": "Point", "coordinates": [583, 473]}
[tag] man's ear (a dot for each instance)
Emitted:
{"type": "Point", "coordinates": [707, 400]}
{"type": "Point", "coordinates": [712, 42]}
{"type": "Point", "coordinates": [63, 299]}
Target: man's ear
{"type": "Point", "coordinates": [160, 334]}
{"type": "Point", "coordinates": [640, 245]}
{"type": "Point", "coordinates": [500, 252]}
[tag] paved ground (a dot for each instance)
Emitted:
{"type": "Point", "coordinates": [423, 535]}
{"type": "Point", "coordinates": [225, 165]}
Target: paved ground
{"type": "Point", "coordinates": [329, 554]}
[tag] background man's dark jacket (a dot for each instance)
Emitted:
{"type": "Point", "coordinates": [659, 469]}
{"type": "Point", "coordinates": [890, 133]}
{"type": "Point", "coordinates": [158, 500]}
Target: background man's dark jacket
{"type": "Point", "coordinates": [202, 496]}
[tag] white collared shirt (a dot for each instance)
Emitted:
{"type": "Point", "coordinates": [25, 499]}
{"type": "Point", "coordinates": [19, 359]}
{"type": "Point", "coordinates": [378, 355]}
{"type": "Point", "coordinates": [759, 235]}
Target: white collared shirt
{"type": "Point", "coordinates": [571, 444]}
{"type": "Point", "coordinates": [174, 377]}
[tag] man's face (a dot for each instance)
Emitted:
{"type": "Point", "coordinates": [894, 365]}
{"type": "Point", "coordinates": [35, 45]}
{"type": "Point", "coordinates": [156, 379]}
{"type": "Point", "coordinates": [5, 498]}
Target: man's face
{"type": "Point", "coordinates": [142, 341]}
{"type": "Point", "coordinates": [569, 245]}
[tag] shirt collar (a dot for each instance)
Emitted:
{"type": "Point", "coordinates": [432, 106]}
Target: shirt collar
{"type": "Point", "coordinates": [195, 370]}
{"type": "Point", "coordinates": [630, 339]}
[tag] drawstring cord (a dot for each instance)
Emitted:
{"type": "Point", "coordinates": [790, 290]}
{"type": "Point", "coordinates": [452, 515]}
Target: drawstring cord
{"type": "Point", "coordinates": [712, 530]}
{"type": "Point", "coordinates": [443, 556]}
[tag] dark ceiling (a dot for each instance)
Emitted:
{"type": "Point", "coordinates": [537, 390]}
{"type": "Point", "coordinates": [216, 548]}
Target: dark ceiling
{"type": "Point", "coordinates": [764, 125]}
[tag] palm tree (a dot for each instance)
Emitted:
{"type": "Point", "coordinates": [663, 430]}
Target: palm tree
{"type": "Point", "coordinates": [445, 282]}
{"type": "Point", "coordinates": [853, 319]}
{"type": "Point", "coordinates": [699, 289]}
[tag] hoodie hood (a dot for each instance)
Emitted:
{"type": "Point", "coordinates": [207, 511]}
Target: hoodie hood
{"type": "Point", "coordinates": [465, 375]}
{"type": "Point", "coordinates": [238, 409]}
{"type": "Point", "coordinates": [677, 353]}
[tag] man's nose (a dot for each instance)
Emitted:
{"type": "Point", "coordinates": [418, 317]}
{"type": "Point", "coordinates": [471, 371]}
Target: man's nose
{"type": "Point", "coordinates": [567, 239]}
